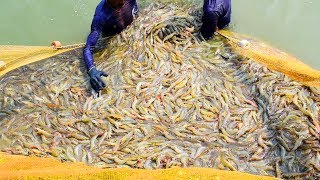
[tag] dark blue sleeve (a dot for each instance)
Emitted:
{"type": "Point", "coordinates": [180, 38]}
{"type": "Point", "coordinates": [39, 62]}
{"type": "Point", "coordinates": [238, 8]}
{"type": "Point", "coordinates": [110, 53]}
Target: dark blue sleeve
{"type": "Point", "coordinates": [96, 29]}
{"type": "Point", "coordinates": [210, 22]}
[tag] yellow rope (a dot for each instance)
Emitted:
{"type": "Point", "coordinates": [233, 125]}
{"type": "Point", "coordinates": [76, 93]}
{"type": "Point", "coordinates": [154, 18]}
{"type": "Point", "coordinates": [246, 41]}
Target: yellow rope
{"type": "Point", "coordinates": [73, 46]}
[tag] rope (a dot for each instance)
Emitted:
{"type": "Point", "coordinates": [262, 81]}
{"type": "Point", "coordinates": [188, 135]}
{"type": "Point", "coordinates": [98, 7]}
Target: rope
{"type": "Point", "coordinates": [57, 44]}
{"type": "Point", "coordinates": [230, 39]}
{"type": "Point", "coordinates": [12, 57]}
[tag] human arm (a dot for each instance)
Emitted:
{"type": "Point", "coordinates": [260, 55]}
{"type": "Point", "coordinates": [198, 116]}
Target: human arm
{"type": "Point", "coordinates": [95, 75]}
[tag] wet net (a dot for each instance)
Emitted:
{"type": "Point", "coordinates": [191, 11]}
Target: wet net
{"type": "Point", "coordinates": [171, 100]}
{"type": "Point", "coordinates": [273, 58]}
{"type": "Point", "coordinates": [12, 57]}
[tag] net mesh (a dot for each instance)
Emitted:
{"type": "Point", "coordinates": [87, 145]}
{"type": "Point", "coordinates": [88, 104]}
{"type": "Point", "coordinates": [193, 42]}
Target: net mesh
{"type": "Point", "coordinates": [13, 57]}
{"type": "Point", "coordinates": [273, 58]}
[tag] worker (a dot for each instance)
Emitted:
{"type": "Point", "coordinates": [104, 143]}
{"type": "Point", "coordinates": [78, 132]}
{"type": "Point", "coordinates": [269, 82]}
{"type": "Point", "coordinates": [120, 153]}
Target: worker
{"type": "Point", "coordinates": [110, 18]}
{"type": "Point", "coordinates": [216, 15]}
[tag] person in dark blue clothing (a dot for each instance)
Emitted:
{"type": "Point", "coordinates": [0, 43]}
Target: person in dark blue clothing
{"type": "Point", "coordinates": [110, 18]}
{"type": "Point", "coordinates": [216, 15]}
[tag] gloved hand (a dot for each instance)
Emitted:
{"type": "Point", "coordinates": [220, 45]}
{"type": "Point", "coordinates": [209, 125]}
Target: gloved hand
{"type": "Point", "coordinates": [209, 26]}
{"type": "Point", "coordinates": [95, 79]}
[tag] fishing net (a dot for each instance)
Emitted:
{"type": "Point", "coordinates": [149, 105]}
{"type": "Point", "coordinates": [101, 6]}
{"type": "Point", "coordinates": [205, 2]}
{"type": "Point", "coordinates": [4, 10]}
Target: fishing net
{"type": "Point", "coordinates": [273, 58]}
{"type": "Point", "coordinates": [171, 100]}
{"type": "Point", "coordinates": [12, 57]}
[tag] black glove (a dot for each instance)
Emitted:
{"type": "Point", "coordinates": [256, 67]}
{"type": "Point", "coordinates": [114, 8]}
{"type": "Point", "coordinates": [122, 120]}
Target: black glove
{"type": "Point", "coordinates": [95, 79]}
